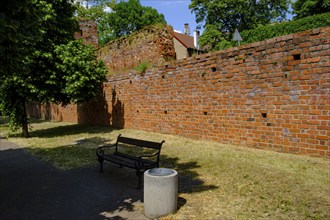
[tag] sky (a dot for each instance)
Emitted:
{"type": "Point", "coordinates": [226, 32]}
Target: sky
{"type": "Point", "coordinates": [176, 12]}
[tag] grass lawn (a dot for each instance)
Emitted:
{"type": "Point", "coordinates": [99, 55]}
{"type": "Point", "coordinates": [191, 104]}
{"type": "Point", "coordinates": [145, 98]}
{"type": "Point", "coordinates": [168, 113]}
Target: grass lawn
{"type": "Point", "coordinates": [216, 181]}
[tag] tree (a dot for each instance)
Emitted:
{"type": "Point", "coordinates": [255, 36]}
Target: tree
{"type": "Point", "coordinates": [305, 8]}
{"type": "Point", "coordinates": [124, 18]}
{"type": "Point", "coordinates": [224, 16]}
{"type": "Point", "coordinates": [39, 60]}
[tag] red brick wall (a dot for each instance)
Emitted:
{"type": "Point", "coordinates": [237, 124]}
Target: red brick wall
{"type": "Point", "coordinates": [88, 32]}
{"type": "Point", "coordinates": [153, 44]}
{"type": "Point", "coordinates": [272, 94]}
{"type": "Point", "coordinates": [53, 112]}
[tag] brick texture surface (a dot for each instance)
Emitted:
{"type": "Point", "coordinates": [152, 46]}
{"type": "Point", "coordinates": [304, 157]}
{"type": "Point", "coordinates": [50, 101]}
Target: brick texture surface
{"type": "Point", "coordinates": [88, 32]}
{"type": "Point", "coordinates": [152, 44]}
{"type": "Point", "coordinates": [271, 95]}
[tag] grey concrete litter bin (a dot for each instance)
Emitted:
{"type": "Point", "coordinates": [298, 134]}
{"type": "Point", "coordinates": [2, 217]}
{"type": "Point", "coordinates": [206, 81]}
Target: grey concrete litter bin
{"type": "Point", "coordinates": [160, 192]}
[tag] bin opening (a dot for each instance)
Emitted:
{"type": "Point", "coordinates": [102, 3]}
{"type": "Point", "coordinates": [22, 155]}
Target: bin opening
{"type": "Point", "coordinates": [160, 172]}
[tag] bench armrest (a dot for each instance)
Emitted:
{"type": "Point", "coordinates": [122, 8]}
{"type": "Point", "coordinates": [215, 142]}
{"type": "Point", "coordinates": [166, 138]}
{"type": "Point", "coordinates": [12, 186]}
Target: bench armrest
{"type": "Point", "coordinates": [139, 163]}
{"type": "Point", "coordinates": [100, 150]}
{"type": "Point", "coordinates": [151, 155]}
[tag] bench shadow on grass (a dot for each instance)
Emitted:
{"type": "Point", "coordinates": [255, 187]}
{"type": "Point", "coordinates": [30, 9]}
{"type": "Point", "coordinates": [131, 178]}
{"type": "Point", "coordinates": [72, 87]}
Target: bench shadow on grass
{"type": "Point", "coordinates": [120, 199]}
{"type": "Point", "coordinates": [189, 180]}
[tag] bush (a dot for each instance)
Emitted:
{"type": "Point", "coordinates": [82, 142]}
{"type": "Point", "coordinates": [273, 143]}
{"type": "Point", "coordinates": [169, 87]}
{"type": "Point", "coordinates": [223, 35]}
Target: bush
{"type": "Point", "coordinates": [142, 67]}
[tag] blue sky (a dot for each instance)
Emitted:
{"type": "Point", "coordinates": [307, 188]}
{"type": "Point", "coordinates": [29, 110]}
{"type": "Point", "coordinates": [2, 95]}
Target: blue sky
{"type": "Point", "coordinates": [176, 12]}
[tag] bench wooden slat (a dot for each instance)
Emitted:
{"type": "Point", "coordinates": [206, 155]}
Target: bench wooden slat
{"type": "Point", "coordinates": [140, 143]}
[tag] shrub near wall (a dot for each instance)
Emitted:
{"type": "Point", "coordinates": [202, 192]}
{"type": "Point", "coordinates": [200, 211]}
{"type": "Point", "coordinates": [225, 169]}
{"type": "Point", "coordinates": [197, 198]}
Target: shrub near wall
{"type": "Point", "coordinates": [272, 94]}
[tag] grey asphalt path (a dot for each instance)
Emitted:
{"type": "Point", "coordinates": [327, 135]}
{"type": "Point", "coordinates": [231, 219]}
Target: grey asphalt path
{"type": "Point", "coordinates": [33, 189]}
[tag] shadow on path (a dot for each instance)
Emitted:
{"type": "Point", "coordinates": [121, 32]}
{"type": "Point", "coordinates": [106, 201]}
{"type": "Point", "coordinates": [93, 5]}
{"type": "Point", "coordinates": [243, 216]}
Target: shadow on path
{"type": "Point", "coordinates": [33, 189]}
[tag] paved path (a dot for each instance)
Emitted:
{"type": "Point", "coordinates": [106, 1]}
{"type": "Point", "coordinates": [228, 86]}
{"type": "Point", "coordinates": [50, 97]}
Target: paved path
{"type": "Point", "coordinates": [33, 189]}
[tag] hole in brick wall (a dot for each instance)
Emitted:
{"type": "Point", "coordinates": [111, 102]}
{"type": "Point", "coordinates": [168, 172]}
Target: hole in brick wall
{"type": "Point", "coordinates": [81, 33]}
{"type": "Point", "coordinates": [296, 57]}
{"type": "Point", "coordinates": [214, 69]}
{"type": "Point", "coordinates": [205, 112]}
{"type": "Point", "coordinates": [165, 112]}
{"type": "Point", "coordinates": [137, 111]}
{"type": "Point", "coordinates": [130, 82]}
{"type": "Point", "coordinates": [163, 76]}
{"type": "Point", "coordinates": [264, 115]}
{"type": "Point", "coordinates": [269, 124]}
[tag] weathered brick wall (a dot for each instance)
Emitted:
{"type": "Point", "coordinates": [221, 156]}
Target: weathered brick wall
{"type": "Point", "coordinates": [153, 44]}
{"type": "Point", "coordinates": [272, 94]}
{"type": "Point", "coordinates": [53, 112]}
{"type": "Point", "coordinates": [88, 32]}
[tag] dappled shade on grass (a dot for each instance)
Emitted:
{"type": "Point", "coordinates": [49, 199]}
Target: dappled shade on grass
{"type": "Point", "coordinates": [231, 182]}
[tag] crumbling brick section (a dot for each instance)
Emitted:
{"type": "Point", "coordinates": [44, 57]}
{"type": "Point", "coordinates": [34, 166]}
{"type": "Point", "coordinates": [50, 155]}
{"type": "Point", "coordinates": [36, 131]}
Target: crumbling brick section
{"type": "Point", "coordinates": [153, 44]}
{"type": "Point", "coordinates": [88, 32]}
{"type": "Point", "coordinates": [271, 95]}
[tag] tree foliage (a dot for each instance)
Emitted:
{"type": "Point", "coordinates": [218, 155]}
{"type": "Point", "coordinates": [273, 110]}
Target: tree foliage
{"type": "Point", "coordinates": [275, 30]}
{"type": "Point", "coordinates": [38, 60]}
{"type": "Point", "coordinates": [305, 8]}
{"type": "Point", "coordinates": [123, 18]}
{"type": "Point", "coordinates": [131, 16]}
{"type": "Point", "coordinates": [222, 17]}
{"type": "Point", "coordinates": [265, 32]}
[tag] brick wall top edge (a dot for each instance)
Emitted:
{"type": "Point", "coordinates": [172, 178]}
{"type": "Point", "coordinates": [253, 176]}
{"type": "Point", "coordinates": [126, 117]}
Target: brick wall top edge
{"type": "Point", "coordinates": [198, 58]}
{"type": "Point", "coordinates": [134, 35]}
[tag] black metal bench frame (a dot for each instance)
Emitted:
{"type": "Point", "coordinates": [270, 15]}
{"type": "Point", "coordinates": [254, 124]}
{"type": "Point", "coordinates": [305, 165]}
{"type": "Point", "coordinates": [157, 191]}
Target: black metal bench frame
{"type": "Point", "coordinates": [140, 163]}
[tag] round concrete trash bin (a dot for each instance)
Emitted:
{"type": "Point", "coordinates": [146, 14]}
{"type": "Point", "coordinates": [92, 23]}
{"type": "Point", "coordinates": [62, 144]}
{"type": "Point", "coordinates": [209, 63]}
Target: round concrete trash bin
{"type": "Point", "coordinates": [160, 192]}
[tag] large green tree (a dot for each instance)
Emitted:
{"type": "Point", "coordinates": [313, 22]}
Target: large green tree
{"type": "Point", "coordinates": [122, 18]}
{"type": "Point", "coordinates": [305, 8]}
{"type": "Point", "coordinates": [220, 18]}
{"type": "Point", "coordinates": [39, 59]}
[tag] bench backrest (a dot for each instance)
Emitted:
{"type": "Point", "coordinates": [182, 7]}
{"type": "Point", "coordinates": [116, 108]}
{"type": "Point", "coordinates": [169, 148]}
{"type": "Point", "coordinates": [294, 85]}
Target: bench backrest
{"type": "Point", "coordinates": [154, 146]}
{"type": "Point", "coordinates": [140, 143]}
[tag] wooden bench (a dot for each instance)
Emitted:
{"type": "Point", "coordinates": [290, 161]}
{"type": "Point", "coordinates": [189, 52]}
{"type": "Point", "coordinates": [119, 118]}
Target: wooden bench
{"type": "Point", "coordinates": [137, 154]}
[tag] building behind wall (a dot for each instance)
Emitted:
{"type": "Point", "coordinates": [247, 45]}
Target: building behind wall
{"type": "Point", "coordinates": [185, 45]}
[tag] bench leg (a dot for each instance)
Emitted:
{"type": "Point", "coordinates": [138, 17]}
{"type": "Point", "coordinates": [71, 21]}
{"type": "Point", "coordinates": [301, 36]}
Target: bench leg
{"type": "Point", "coordinates": [101, 164]}
{"type": "Point", "coordinates": [139, 175]}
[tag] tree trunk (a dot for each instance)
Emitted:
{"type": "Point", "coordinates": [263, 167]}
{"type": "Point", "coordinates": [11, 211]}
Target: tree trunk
{"type": "Point", "coordinates": [25, 124]}
{"type": "Point", "coordinates": [25, 130]}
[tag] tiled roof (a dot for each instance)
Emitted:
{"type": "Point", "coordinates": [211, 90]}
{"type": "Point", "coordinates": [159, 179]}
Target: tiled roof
{"type": "Point", "coordinates": [185, 40]}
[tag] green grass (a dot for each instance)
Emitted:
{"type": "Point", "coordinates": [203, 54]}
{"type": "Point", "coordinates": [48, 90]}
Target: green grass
{"type": "Point", "coordinates": [142, 67]}
{"type": "Point", "coordinates": [216, 181]}
{"type": "Point", "coordinates": [4, 127]}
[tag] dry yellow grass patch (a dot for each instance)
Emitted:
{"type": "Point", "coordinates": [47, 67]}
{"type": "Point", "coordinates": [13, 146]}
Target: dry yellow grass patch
{"type": "Point", "coordinates": [216, 181]}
